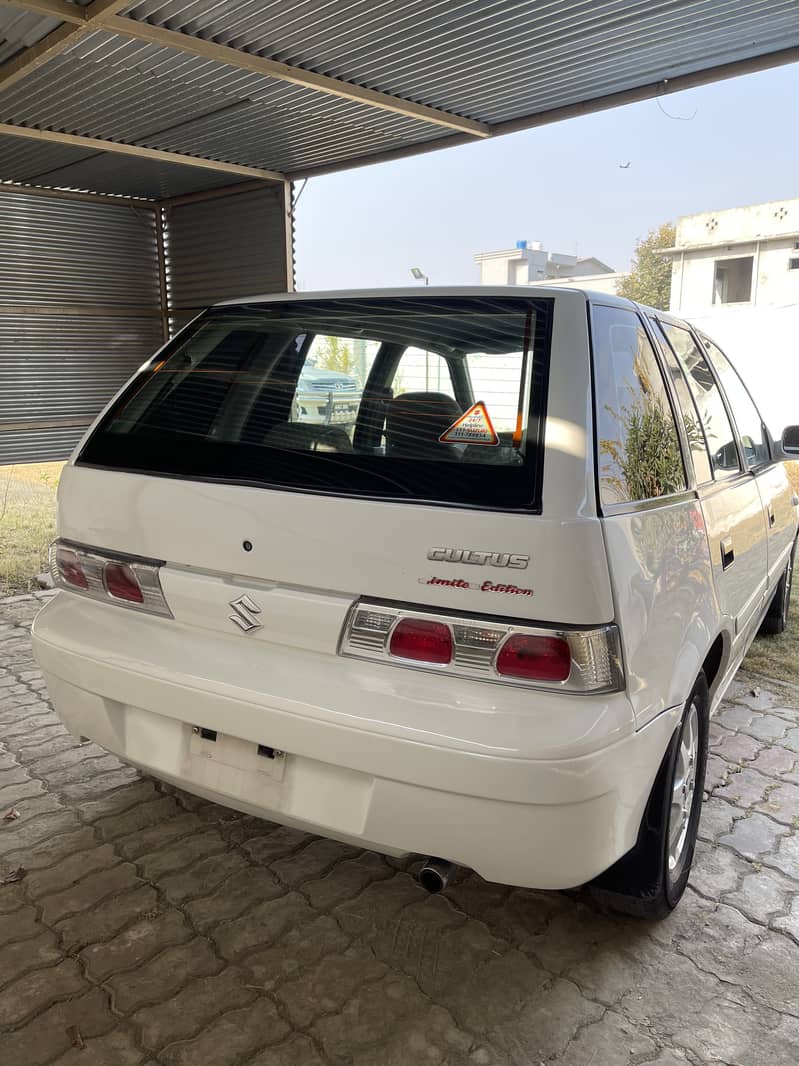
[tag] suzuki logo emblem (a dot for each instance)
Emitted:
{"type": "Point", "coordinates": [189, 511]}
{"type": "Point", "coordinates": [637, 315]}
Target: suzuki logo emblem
{"type": "Point", "coordinates": [244, 614]}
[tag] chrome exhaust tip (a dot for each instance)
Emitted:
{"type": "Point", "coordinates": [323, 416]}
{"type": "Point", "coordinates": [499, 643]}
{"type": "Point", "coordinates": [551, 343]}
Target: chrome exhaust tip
{"type": "Point", "coordinates": [435, 874]}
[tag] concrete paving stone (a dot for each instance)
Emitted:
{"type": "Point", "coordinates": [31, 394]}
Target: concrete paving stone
{"type": "Point", "coordinates": [378, 905]}
{"type": "Point", "coordinates": [718, 816]}
{"type": "Point", "coordinates": [262, 925]}
{"type": "Point", "coordinates": [737, 747]}
{"type": "Point", "coordinates": [611, 1041]}
{"type": "Point", "coordinates": [503, 986]}
{"type": "Point", "coordinates": [116, 1048]}
{"type": "Point", "coordinates": [136, 944]}
{"type": "Point", "coordinates": [791, 740]}
{"type": "Point", "coordinates": [544, 1024]}
{"type": "Point", "coordinates": [29, 754]}
{"type": "Point", "coordinates": [35, 991]}
{"type": "Point", "coordinates": [92, 787]}
{"type": "Point", "coordinates": [295, 953]}
{"type": "Point", "coordinates": [789, 923]}
{"type": "Point", "coordinates": [234, 896]}
{"type": "Point", "coordinates": [88, 892]}
{"type": "Point", "coordinates": [744, 955]}
{"type": "Point", "coordinates": [40, 819]}
{"type": "Point", "coordinates": [782, 803]}
{"type": "Point", "coordinates": [275, 844]}
{"type": "Point", "coordinates": [82, 771]}
{"type": "Point", "coordinates": [52, 849]}
{"type": "Point", "coordinates": [14, 775]}
{"type": "Point", "coordinates": [106, 919]}
{"type": "Point", "coordinates": [754, 837]}
{"type": "Point", "coordinates": [367, 1018]}
{"type": "Point", "coordinates": [24, 955]}
{"type": "Point", "coordinates": [297, 1051]}
{"type": "Point", "coordinates": [17, 795]}
{"type": "Point", "coordinates": [51, 762]}
{"type": "Point", "coordinates": [432, 1037]}
{"type": "Point", "coordinates": [735, 717]}
{"type": "Point", "coordinates": [435, 946]}
{"type": "Point", "coordinates": [32, 728]}
{"type": "Point", "coordinates": [45, 1036]}
{"type": "Point", "coordinates": [312, 861]}
{"type": "Point", "coordinates": [19, 924]}
{"type": "Point", "coordinates": [181, 854]}
{"type": "Point", "coordinates": [758, 698]}
{"type": "Point", "coordinates": [162, 834]}
{"type": "Point", "coordinates": [71, 869]}
{"type": "Point", "coordinates": [8, 761]}
{"type": "Point", "coordinates": [730, 1031]}
{"type": "Point", "coordinates": [202, 878]}
{"type": "Point", "coordinates": [573, 934]}
{"type": "Point", "coordinates": [744, 788]}
{"type": "Point", "coordinates": [347, 879]}
{"type": "Point", "coordinates": [244, 828]}
{"type": "Point", "coordinates": [185, 1014]}
{"type": "Point", "coordinates": [775, 761]}
{"type": "Point", "coordinates": [231, 1039]}
{"type": "Point", "coordinates": [160, 978]}
{"type": "Point", "coordinates": [717, 772]}
{"type": "Point", "coordinates": [325, 988]}
{"type": "Point", "coordinates": [11, 898]}
{"type": "Point", "coordinates": [141, 812]}
{"type": "Point", "coordinates": [762, 893]}
{"type": "Point", "coordinates": [716, 870]}
{"type": "Point", "coordinates": [120, 802]}
{"type": "Point", "coordinates": [768, 727]}
{"type": "Point", "coordinates": [492, 904]}
{"type": "Point", "coordinates": [786, 857]}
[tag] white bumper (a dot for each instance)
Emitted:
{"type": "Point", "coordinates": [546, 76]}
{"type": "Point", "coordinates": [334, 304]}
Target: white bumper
{"type": "Point", "coordinates": [137, 686]}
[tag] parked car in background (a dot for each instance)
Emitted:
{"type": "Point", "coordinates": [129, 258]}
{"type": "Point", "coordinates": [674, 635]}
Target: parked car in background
{"type": "Point", "coordinates": [326, 397]}
{"type": "Point", "coordinates": [487, 623]}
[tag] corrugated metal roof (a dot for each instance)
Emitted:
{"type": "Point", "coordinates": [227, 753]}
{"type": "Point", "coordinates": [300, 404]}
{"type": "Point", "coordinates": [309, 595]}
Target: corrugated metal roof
{"type": "Point", "coordinates": [497, 62]}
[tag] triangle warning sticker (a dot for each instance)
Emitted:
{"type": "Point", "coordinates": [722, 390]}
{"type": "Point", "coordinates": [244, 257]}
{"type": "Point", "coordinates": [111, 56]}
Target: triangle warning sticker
{"type": "Point", "coordinates": [473, 427]}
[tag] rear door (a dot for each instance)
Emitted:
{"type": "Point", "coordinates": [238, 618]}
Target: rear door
{"type": "Point", "coordinates": [776, 492]}
{"type": "Point", "coordinates": [731, 503]}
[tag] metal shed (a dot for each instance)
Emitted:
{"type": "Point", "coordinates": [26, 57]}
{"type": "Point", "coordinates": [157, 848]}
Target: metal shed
{"type": "Point", "coordinates": [148, 150]}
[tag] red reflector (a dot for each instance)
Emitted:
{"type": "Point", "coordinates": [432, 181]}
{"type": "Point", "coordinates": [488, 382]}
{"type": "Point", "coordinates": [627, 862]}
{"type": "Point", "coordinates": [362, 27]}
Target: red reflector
{"type": "Point", "coordinates": [121, 583]}
{"type": "Point", "coordinates": [427, 642]}
{"type": "Point", "coordinates": [70, 569]}
{"type": "Point", "coordinates": [535, 658]}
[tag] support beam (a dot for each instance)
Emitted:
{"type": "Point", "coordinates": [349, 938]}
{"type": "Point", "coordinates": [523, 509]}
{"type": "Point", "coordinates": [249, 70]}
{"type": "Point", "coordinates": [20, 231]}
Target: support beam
{"type": "Point", "coordinates": [155, 154]}
{"type": "Point", "coordinates": [60, 39]}
{"type": "Point", "coordinates": [102, 15]}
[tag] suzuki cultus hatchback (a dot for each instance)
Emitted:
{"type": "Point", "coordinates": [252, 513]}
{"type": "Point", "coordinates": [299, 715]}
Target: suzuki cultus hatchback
{"type": "Point", "coordinates": [485, 619]}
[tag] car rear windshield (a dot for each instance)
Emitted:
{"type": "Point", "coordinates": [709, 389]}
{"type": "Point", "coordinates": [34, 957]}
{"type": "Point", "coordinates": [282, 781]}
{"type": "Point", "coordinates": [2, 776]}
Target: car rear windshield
{"type": "Point", "coordinates": [430, 399]}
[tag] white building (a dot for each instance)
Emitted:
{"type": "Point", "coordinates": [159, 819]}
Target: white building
{"type": "Point", "coordinates": [530, 264]}
{"type": "Point", "coordinates": [735, 274]}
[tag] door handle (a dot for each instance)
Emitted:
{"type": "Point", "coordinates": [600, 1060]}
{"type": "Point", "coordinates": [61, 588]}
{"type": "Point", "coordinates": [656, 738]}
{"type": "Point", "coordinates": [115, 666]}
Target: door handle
{"type": "Point", "coordinates": [771, 518]}
{"type": "Point", "coordinates": [727, 553]}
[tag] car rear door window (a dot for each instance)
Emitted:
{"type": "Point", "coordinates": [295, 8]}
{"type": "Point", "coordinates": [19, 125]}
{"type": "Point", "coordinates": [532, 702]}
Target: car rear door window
{"type": "Point", "coordinates": [638, 446]}
{"type": "Point", "coordinates": [747, 417]}
{"type": "Point", "coordinates": [365, 397]}
{"type": "Point", "coordinates": [716, 423]}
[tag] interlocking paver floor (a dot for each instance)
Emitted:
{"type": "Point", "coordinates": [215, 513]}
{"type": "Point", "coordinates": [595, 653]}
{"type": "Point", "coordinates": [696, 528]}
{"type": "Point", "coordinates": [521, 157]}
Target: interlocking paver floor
{"type": "Point", "coordinates": [154, 928]}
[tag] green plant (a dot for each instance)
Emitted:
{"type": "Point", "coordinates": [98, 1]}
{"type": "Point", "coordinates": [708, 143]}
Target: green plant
{"type": "Point", "coordinates": [649, 281]}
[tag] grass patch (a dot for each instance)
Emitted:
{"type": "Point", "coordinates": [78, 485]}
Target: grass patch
{"type": "Point", "coordinates": [27, 523]}
{"type": "Point", "coordinates": [778, 656]}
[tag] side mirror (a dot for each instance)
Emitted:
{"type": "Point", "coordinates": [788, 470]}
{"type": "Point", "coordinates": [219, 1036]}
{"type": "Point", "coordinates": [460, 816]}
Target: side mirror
{"type": "Point", "coordinates": [788, 447]}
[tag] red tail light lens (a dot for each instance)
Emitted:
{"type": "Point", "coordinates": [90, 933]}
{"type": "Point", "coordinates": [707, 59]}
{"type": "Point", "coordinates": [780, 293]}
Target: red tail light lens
{"type": "Point", "coordinates": [121, 583]}
{"type": "Point", "coordinates": [534, 658]}
{"type": "Point", "coordinates": [70, 569]}
{"type": "Point", "coordinates": [427, 642]}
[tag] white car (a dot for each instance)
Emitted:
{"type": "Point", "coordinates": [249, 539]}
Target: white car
{"type": "Point", "coordinates": [487, 623]}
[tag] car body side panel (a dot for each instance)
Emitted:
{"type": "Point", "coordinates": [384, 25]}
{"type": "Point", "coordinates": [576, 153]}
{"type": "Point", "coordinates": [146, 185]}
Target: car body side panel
{"type": "Point", "coordinates": [665, 600]}
{"type": "Point", "coordinates": [777, 494]}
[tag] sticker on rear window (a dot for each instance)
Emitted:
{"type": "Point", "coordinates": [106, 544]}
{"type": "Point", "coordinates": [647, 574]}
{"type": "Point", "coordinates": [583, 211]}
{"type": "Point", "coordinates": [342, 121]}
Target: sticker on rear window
{"type": "Point", "coordinates": [473, 427]}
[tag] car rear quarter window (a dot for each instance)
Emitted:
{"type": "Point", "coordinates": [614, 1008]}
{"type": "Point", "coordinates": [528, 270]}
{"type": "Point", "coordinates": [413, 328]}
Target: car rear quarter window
{"type": "Point", "coordinates": [435, 399]}
{"type": "Point", "coordinates": [747, 417]}
{"type": "Point", "coordinates": [638, 447]}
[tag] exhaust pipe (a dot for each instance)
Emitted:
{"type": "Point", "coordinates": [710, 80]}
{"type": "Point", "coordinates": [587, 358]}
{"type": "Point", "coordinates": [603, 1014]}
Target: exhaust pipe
{"type": "Point", "coordinates": [435, 874]}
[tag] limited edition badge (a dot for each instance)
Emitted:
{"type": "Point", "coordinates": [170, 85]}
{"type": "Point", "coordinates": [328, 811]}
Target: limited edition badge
{"type": "Point", "coordinates": [473, 427]}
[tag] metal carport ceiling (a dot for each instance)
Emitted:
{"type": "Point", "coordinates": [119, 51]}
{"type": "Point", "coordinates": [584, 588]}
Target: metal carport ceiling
{"type": "Point", "coordinates": [166, 97]}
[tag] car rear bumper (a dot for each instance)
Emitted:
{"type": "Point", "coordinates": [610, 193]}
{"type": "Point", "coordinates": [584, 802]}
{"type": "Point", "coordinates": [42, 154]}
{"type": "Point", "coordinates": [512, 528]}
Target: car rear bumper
{"type": "Point", "coordinates": [522, 820]}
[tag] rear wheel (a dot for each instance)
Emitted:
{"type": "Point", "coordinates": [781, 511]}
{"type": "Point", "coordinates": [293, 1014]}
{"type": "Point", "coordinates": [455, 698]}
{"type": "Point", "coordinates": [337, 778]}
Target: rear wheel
{"type": "Point", "coordinates": [649, 881]}
{"type": "Point", "coordinates": [776, 621]}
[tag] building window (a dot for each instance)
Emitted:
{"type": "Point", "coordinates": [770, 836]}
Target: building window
{"type": "Point", "coordinates": [793, 264]}
{"type": "Point", "coordinates": [733, 281]}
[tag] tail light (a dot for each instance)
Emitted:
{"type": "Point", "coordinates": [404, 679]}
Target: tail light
{"type": "Point", "coordinates": [571, 660]}
{"type": "Point", "coordinates": [108, 577]}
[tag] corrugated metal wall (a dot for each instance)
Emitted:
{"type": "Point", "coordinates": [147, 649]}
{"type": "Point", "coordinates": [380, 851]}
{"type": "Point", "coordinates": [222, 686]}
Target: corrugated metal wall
{"type": "Point", "coordinates": [228, 247]}
{"type": "Point", "coordinates": [79, 311]}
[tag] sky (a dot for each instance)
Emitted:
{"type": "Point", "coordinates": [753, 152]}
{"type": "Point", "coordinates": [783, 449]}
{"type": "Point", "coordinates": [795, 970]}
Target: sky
{"type": "Point", "coordinates": [734, 144]}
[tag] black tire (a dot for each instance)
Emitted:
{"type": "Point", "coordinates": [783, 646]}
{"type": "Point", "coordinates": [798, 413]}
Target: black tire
{"type": "Point", "coordinates": [776, 620]}
{"type": "Point", "coordinates": [648, 881]}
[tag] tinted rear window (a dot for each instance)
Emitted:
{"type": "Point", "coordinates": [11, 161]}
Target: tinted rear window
{"type": "Point", "coordinates": [430, 399]}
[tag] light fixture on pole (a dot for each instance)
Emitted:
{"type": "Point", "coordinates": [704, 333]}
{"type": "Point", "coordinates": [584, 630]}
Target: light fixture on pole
{"type": "Point", "coordinates": [419, 274]}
